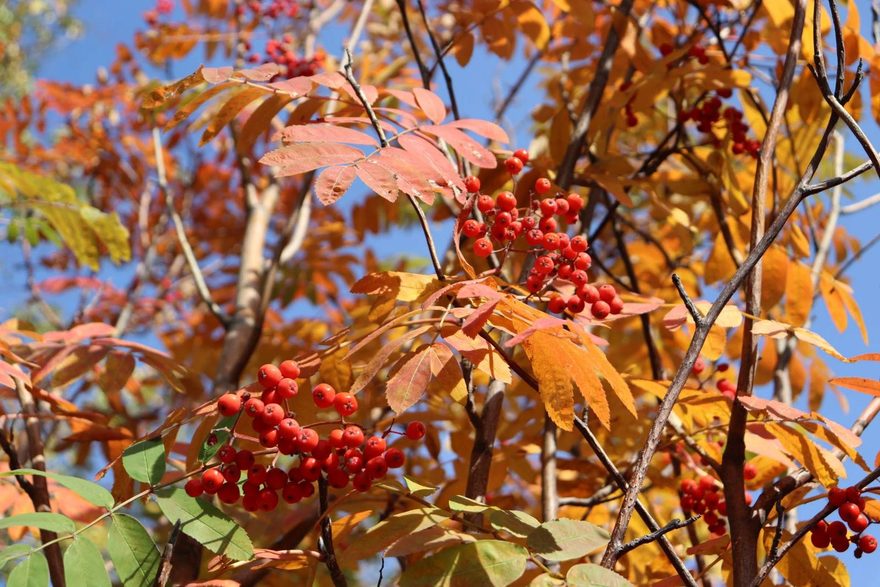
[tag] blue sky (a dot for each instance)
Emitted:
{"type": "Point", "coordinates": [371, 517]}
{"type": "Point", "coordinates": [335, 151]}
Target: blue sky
{"type": "Point", "coordinates": [108, 23]}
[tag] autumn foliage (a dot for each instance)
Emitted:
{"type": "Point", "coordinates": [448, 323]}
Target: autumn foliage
{"type": "Point", "coordinates": [311, 315]}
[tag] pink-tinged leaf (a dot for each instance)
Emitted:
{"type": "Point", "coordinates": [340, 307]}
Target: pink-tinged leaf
{"type": "Point", "coordinates": [405, 97]}
{"type": "Point", "coordinates": [322, 132]}
{"type": "Point", "coordinates": [484, 128]}
{"type": "Point", "coordinates": [54, 285]}
{"type": "Point", "coordinates": [478, 290]}
{"type": "Point", "coordinates": [404, 118]}
{"type": "Point", "coordinates": [330, 79]}
{"type": "Point", "coordinates": [544, 323]}
{"type": "Point", "coordinates": [431, 104]}
{"type": "Point", "coordinates": [370, 92]}
{"type": "Point", "coordinates": [386, 126]}
{"type": "Point", "coordinates": [412, 175]}
{"type": "Point", "coordinates": [464, 145]}
{"type": "Point", "coordinates": [409, 383]}
{"type": "Point", "coordinates": [772, 408]}
{"type": "Point", "coordinates": [77, 333]}
{"type": "Point", "coordinates": [303, 157]}
{"type": "Point", "coordinates": [444, 173]}
{"type": "Point", "coordinates": [297, 86]}
{"type": "Point", "coordinates": [379, 360]}
{"type": "Point", "coordinates": [474, 323]}
{"type": "Point", "coordinates": [263, 73]}
{"type": "Point", "coordinates": [217, 75]}
{"type": "Point", "coordinates": [333, 182]}
{"type": "Point", "coordinates": [135, 346]}
{"type": "Point", "coordinates": [378, 179]}
{"type": "Point", "coordinates": [7, 372]}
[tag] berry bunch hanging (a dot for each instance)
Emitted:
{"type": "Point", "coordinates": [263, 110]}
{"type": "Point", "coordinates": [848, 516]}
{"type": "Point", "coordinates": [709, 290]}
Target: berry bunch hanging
{"type": "Point", "coordinates": [345, 455]}
{"type": "Point", "coordinates": [851, 508]}
{"type": "Point", "coordinates": [556, 255]}
{"type": "Point", "coordinates": [704, 497]}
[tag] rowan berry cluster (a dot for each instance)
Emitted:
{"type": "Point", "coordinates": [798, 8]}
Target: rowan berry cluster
{"type": "Point", "coordinates": [556, 255]}
{"type": "Point", "coordinates": [273, 9]}
{"type": "Point", "coordinates": [280, 52]}
{"type": "Point", "coordinates": [151, 17]}
{"type": "Point", "coordinates": [346, 455]}
{"type": "Point", "coordinates": [703, 496]}
{"type": "Point", "coordinates": [707, 113]}
{"type": "Point", "coordinates": [851, 508]}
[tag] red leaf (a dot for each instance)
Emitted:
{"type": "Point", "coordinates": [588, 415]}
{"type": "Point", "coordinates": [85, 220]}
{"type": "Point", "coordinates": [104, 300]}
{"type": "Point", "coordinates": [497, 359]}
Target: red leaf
{"type": "Point", "coordinates": [323, 132]}
{"type": "Point", "coordinates": [77, 333]}
{"type": "Point", "coordinates": [297, 86]}
{"type": "Point", "coordinates": [409, 383]}
{"type": "Point", "coordinates": [431, 104]}
{"type": "Point", "coordinates": [464, 145]}
{"type": "Point", "coordinates": [484, 128]}
{"type": "Point", "coordinates": [540, 324]}
{"type": "Point", "coordinates": [333, 182]}
{"type": "Point", "coordinates": [263, 73]}
{"type": "Point", "coordinates": [377, 178]}
{"type": "Point", "coordinates": [474, 323]}
{"type": "Point", "coordinates": [405, 97]}
{"type": "Point", "coordinates": [303, 157]}
{"type": "Point", "coordinates": [445, 173]}
{"type": "Point", "coordinates": [411, 173]}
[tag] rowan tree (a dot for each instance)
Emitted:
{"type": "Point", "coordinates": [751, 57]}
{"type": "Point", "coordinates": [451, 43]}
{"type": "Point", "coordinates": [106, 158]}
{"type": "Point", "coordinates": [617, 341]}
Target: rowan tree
{"type": "Point", "coordinates": [303, 315]}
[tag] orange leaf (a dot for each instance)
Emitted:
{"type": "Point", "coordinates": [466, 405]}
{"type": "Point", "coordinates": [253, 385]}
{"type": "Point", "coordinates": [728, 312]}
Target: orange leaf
{"type": "Point", "coordinates": [862, 384]}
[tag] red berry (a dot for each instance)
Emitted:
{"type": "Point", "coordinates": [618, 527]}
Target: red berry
{"type": "Point", "coordinates": [275, 478]}
{"type": "Point", "coordinates": [513, 165]}
{"type": "Point", "coordinates": [708, 483]}
{"type": "Point", "coordinates": [840, 544]}
{"type": "Point", "coordinates": [849, 511]}
{"type": "Point", "coordinates": [859, 523]}
{"type": "Point", "coordinates": [337, 478]}
{"type": "Point", "coordinates": [506, 201]}
{"type": "Point", "coordinates": [750, 471]}
{"type": "Point", "coordinates": [254, 407]}
{"type": "Point", "coordinates": [272, 414]}
{"type": "Point", "coordinates": [589, 293]}
{"type": "Point", "coordinates": [868, 543]}
{"type": "Point", "coordinates": [472, 184]}
{"type": "Point", "coordinates": [244, 459]}
{"type": "Point", "coordinates": [345, 403]}
{"type": "Point", "coordinates": [289, 369]}
{"type": "Point", "coordinates": [544, 265]}
{"type": "Point", "coordinates": [269, 375]}
{"type": "Point", "coordinates": [836, 496]}
{"type": "Point", "coordinates": [837, 528]}
{"type": "Point", "coordinates": [289, 428]}
{"type": "Point", "coordinates": [556, 304]}
{"type": "Point", "coordinates": [377, 467]}
{"type": "Point", "coordinates": [485, 203]}
{"type": "Point", "coordinates": [354, 460]}
{"type": "Point", "coordinates": [472, 229]}
{"type": "Point", "coordinates": [229, 493]}
{"type": "Point", "coordinates": [251, 502]}
{"type": "Point", "coordinates": [415, 430]}
{"type": "Point", "coordinates": [306, 488]}
{"type": "Point", "coordinates": [257, 473]}
{"type": "Point", "coordinates": [375, 446]}
{"type": "Point", "coordinates": [212, 480]}
{"type": "Point", "coordinates": [522, 155]}
{"type": "Point", "coordinates": [502, 220]}
{"type": "Point", "coordinates": [194, 487]}
{"type": "Point", "coordinates": [483, 247]}
{"type": "Point", "coordinates": [229, 404]}
{"type": "Point", "coordinates": [231, 472]}
{"type": "Point", "coordinates": [575, 304]}
{"type": "Point", "coordinates": [362, 482]}
{"type": "Point", "coordinates": [616, 306]}
{"type": "Point", "coordinates": [542, 186]}
{"type": "Point", "coordinates": [548, 207]}
{"type": "Point", "coordinates": [269, 397]}
{"type": "Point", "coordinates": [291, 493]}
{"type": "Point", "coordinates": [600, 310]}
{"type": "Point", "coordinates": [268, 500]}
{"type": "Point", "coordinates": [579, 243]}
{"type": "Point", "coordinates": [310, 468]}
{"type": "Point", "coordinates": [323, 395]}
{"type": "Point", "coordinates": [394, 457]}
{"type": "Point", "coordinates": [308, 440]}
{"type": "Point", "coordinates": [607, 292]}
{"type": "Point", "coordinates": [226, 454]}
{"type": "Point", "coordinates": [561, 206]}
{"type": "Point", "coordinates": [699, 366]}
{"type": "Point", "coordinates": [286, 389]}
{"type": "Point", "coordinates": [853, 494]}
{"type": "Point", "coordinates": [352, 436]}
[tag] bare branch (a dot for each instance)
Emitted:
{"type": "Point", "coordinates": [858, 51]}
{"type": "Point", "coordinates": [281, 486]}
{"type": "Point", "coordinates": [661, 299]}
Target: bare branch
{"type": "Point", "coordinates": [695, 313]}
{"type": "Point", "coordinates": [653, 536]}
{"type": "Point", "coordinates": [325, 542]}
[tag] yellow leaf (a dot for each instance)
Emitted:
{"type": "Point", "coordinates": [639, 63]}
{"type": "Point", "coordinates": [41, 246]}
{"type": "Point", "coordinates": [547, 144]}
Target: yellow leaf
{"type": "Point", "coordinates": [532, 23]}
{"type": "Point", "coordinates": [405, 287]}
{"type": "Point", "coordinates": [861, 384]}
{"type": "Point", "coordinates": [719, 265]}
{"type": "Point", "coordinates": [775, 271]}
{"type": "Point", "coordinates": [833, 301]}
{"type": "Point", "coordinates": [823, 465]}
{"type": "Point", "coordinates": [715, 343]}
{"type": "Point", "coordinates": [798, 294]}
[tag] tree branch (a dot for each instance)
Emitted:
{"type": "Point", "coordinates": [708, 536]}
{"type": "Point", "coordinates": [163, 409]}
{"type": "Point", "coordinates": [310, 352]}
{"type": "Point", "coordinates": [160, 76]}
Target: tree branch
{"type": "Point", "coordinates": [325, 542]}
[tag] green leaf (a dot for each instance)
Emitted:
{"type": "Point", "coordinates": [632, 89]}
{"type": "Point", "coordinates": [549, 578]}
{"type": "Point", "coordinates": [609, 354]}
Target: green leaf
{"type": "Point", "coordinates": [221, 430]}
{"type": "Point", "coordinates": [417, 488]}
{"type": "Point", "coordinates": [13, 551]}
{"type": "Point", "coordinates": [201, 520]}
{"type": "Point", "coordinates": [515, 522]}
{"type": "Point", "coordinates": [83, 564]}
{"type": "Point", "coordinates": [392, 529]}
{"type": "Point", "coordinates": [43, 520]}
{"type": "Point", "coordinates": [133, 552]}
{"type": "Point", "coordinates": [89, 491]}
{"type": "Point", "coordinates": [485, 562]}
{"type": "Point", "coordinates": [31, 572]}
{"type": "Point", "coordinates": [590, 575]}
{"type": "Point", "coordinates": [460, 503]}
{"type": "Point", "coordinates": [547, 580]}
{"type": "Point", "coordinates": [561, 540]}
{"type": "Point", "coordinates": [145, 461]}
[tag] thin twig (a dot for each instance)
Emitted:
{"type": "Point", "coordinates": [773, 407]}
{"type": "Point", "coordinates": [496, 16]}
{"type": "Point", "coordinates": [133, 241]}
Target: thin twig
{"type": "Point", "coordinates": [191, 261]}
{"type": "Point", "coordinates": [165, 566]}
{"type": "Point", "coordinates": [695, 313]}
{"type": "Point", "coordinates": [453, 102]}
{"type": "Point", "coordinates": [653, 536]}
{"type": "Point", "coordinates": [325, 542]}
